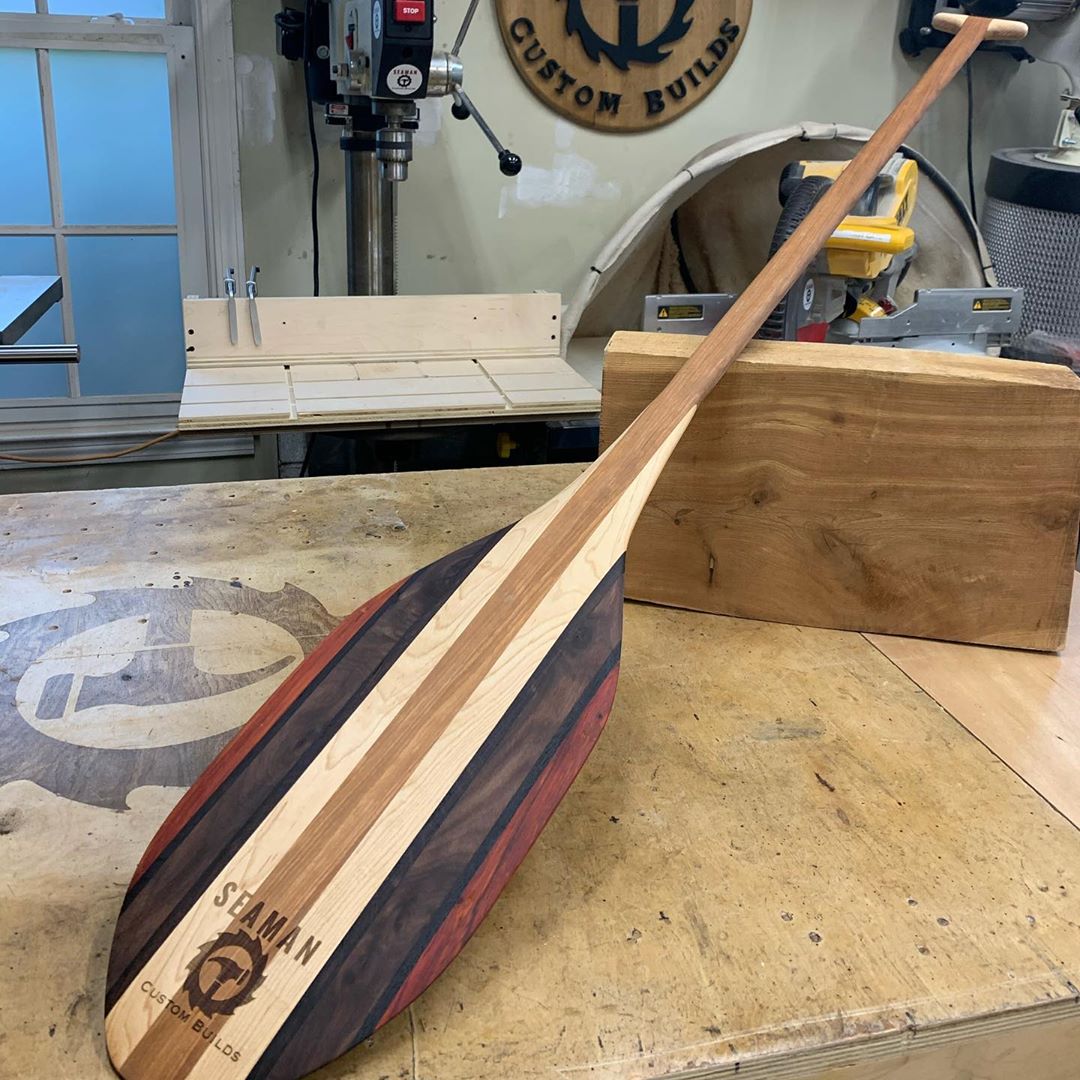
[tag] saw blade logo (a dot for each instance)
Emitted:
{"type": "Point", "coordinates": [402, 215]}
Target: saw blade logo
{"type": "Point", "coordinates": [628, 49]}
{"type": "Point", "coordinates": [225, 974]}
{"type": "Point", "coordinates": [623, 65]}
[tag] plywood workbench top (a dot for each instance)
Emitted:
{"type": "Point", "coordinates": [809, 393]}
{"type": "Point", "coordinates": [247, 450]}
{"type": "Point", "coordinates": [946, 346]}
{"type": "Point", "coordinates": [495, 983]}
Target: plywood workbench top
{"type": "Point", "coordinates": [785, 859]}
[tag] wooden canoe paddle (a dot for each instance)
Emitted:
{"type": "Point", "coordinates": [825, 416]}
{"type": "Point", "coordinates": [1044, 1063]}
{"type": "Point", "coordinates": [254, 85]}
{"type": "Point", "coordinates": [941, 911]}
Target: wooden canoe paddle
{"type": "Point", "coordinates": [341, 850]}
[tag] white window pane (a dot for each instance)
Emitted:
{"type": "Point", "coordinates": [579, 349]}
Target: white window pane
{"type": "Point", "coordinates": [126, 294]}
{"type": "Point", "coordinates": [131, 9]}
{"type": "Point", "coordinates": [33, 255]}
{"type": "Point", "coordinates": [24, 178]}
{"type": "Point", "coordinates": [114, 129]}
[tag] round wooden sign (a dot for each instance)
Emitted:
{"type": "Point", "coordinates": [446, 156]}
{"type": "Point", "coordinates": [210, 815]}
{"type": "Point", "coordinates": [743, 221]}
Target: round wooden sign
{"type": "Point", "coordinates": [623, 65]}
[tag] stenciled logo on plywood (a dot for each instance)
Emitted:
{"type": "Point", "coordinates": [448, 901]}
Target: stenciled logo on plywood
{"type": "Point", "coordinates": [623, 65]}
{"type": "Point", "coordinates": [128, 687]}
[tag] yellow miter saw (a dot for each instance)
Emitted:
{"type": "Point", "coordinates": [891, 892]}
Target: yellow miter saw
{"type": "Point", "coordinates": [863, 262]}
{"type": "Point", "coordinates": [848, 293]}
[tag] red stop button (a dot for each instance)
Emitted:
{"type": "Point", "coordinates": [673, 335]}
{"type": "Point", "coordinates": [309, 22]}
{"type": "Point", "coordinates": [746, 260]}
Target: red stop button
{"type": "Point", "coordinates": [410, 11]}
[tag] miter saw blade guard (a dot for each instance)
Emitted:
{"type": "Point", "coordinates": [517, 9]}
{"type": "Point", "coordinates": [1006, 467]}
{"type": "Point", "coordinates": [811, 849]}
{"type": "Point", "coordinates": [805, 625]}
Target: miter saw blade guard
{"type": "Point", "coordinates": [802, 312]}
{"type": "Point", "coordinates": [856, 274]}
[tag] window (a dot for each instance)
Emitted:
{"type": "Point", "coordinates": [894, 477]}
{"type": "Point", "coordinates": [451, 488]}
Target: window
{"type": "Point", "coordinates": [115, 180]}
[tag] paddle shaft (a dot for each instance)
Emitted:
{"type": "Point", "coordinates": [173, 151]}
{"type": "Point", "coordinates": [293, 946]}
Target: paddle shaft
{"type": "Point", "coordinates": [650, 439]}
{"type": "Point", "coordinates": [625, 473]}
{"type": "Point", "coordinates": [719, 350]}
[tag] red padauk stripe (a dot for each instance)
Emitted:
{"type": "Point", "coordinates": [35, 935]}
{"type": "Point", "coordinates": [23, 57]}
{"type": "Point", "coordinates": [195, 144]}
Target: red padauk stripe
{"type": "Point", "coordinates": [247, 738]}
{"type": "Point", "coordinates": [506, 855]}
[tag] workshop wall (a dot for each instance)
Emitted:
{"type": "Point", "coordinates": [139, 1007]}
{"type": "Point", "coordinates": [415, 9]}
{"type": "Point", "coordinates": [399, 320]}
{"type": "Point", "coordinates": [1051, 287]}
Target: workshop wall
{"type": "Point", "coordinates": [464, 227]}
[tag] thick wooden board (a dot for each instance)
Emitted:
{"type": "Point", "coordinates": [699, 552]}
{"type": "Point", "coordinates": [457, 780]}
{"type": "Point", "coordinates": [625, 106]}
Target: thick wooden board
{"type": "Point", "coordinates": [710, 765]}
{"type": "Point", "coordinates": [336, 360]}
{"type": "Point", "coordinates": [1025, 708]}
{"type": "Point", "coordinates": [871, 489]}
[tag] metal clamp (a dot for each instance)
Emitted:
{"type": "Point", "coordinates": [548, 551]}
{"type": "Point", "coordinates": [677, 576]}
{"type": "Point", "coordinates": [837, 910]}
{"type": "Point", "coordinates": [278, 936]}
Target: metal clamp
{"type": "Point", "coordinates": [230, 293]}
{"type": "Point", "coordinates": [253, 311]}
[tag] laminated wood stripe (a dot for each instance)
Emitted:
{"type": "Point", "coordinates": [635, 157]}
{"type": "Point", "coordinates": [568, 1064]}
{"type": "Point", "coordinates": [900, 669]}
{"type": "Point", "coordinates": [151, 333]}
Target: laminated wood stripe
{"type": "Point", "coordinates": [510, 849]}
{"type": "Point", "coordinates": [442, 887]}
{"type": "Point", "coordinates": [248, 737]}
{"type": "Point", "coordinates": [210, 827]}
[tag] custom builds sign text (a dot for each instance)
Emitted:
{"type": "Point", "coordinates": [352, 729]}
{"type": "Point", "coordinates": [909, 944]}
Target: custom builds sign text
{"type": "Point", "coordinates": [623, 65]}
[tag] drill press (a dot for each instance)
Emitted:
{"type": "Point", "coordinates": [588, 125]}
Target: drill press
{"type": "Point", "coordinates": [370, 63]}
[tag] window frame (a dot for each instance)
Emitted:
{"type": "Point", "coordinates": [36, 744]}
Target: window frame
{"type": "Point", "coordinates": [196, 39]}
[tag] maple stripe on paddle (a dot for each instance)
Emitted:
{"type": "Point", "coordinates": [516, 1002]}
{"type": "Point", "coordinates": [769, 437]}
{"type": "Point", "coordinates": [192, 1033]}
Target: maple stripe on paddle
{"type": "Point", "coordinates": [311, 707]}
{"type": "Point", "coordinates": [266, 717]}
{"type": "Point", "coordinates": [469, 848]}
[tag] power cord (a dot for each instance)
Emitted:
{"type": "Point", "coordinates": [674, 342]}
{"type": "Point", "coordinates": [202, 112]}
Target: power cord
{"type": "Point", "coordinates": [684, 267]}
{"type": "Point", "coordinates": [309, 14]}
{"type": "Point", "coordinates": [90, 458]}
{"type": "Point", "coordinates": [971, 140]}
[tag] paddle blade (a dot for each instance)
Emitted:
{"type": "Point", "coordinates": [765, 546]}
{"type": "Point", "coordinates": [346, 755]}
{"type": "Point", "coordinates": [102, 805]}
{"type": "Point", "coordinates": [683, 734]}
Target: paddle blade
{"type": "Point", "coordinates": [342, 849]}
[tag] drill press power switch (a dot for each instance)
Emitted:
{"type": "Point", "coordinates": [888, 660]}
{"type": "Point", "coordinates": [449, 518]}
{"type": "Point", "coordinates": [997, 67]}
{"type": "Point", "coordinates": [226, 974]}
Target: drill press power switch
{"type": "Point", "coordinates": [410, 11]}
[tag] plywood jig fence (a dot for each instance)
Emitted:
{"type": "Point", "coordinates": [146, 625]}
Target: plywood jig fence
{"type": "Point", "coordinates": [347, 360]}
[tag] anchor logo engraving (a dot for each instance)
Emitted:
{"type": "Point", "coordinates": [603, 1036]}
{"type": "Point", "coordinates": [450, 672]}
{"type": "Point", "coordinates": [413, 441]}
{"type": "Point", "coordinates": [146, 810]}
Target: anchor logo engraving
{"type": "Point", "coordinates": [623, 65]}
{"type": "Point", "coordinates": [629, 48]}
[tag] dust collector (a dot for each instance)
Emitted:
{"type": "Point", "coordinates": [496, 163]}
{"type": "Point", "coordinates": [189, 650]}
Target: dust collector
{"type": "Point", "coordinates": [1032, 216]}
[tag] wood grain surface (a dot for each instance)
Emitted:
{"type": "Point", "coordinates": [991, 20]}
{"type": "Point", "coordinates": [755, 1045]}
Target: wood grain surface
{"type": "Point", "coordinates": [870, 489]}
{"type": "Point", "coordinates": [769, 783]}
{"type": "Point", "coordinates": [1026, 709]}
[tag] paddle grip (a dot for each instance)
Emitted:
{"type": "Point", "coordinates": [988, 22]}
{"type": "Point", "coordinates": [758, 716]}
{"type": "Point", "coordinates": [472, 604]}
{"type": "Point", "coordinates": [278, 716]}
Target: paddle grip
{"type": "Point", "coordinates": [998, 30]}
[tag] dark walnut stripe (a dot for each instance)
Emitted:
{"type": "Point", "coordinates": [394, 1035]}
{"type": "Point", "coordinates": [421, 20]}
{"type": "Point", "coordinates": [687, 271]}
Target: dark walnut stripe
{"type": "Point", "coordinates": [248, 788]}
{"type": "Point", "coordinates": [448, 879]}
{"type": "Point", "coordinates": [509, 850]}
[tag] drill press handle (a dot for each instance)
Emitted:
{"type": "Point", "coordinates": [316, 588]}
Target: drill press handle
{"type": "Point", "coordinates": [509, 162]}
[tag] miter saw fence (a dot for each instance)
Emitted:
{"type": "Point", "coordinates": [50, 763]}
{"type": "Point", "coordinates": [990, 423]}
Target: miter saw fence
{"type": "Point", "coordinates": [847, 293]}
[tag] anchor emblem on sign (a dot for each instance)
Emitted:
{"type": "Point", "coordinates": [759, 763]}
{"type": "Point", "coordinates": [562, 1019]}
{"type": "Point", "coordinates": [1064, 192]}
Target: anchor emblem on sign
{"type": "Point", "coordinates": [629, 48]}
